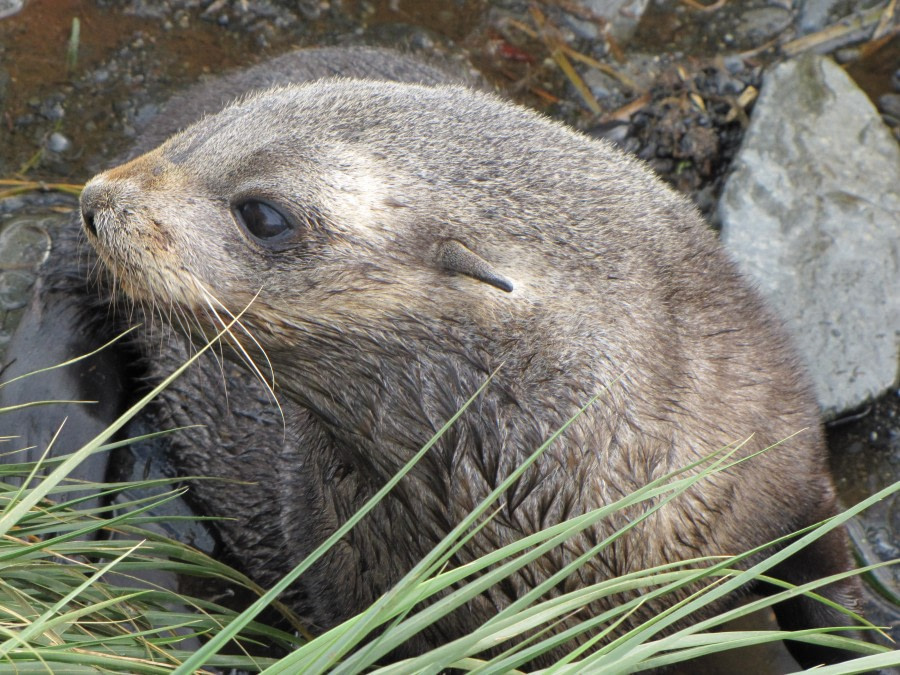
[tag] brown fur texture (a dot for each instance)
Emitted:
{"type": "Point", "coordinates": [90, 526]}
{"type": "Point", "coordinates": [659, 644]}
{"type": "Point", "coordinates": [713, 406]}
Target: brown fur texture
{"type": "Point", "coordinates": [377, 336]}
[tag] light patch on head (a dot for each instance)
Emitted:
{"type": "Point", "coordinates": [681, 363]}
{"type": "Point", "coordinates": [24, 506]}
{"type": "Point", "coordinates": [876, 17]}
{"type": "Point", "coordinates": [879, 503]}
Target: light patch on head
{"type": "Point", "coordinates": [357, 194]}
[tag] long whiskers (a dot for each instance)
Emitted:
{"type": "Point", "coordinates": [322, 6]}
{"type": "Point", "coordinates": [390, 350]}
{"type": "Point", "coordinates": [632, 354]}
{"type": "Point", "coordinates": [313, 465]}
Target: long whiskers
{"type": "Point", "coordinates": [163, 314]}
{"type": "Point", "coordinates": [212, 303]}
{"type": "Point", "coordinates": [191, 324]}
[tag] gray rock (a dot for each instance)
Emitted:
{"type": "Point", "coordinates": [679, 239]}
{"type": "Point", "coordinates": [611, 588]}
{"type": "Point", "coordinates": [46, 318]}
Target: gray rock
{"type": "Point", "coordinates": [10, 7]}
{"type": "Point", "coordinates": [814, 15]}
{"type": "Point", "coordinates": [24, 246]}
{"type": "Point", "coordinates": [762, 23]}
{"type": "Point", "coordinates": [812, 212]}
{"type": "Point", "coordinates": [623, 17]}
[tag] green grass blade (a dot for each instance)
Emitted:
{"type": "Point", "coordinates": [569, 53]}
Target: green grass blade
{"type": "Point", "coordinates": [13, 513]}
{"type": "Point", "coordinates": [37, 626]}
{"type": "Point", "coordinates": [624, 654]}
{"type": "Point", "coordinates": [70, 361]}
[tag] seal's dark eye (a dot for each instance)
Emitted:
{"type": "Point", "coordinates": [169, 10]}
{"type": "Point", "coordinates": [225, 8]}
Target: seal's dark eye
{"type": "Point", "coordinates": [264, 222]}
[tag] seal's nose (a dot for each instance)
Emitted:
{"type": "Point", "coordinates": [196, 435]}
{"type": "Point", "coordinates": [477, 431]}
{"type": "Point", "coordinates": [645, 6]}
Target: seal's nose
{"type": "Point", "coordinates": [87, 219]}
{"type": "Point", "coordinates": [90, 198]}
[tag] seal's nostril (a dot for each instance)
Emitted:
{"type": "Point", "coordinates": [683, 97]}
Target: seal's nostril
{"type": "Point", "coordinates": [87, 217]}
{"type": "Point", "coordinates": [90, 205]}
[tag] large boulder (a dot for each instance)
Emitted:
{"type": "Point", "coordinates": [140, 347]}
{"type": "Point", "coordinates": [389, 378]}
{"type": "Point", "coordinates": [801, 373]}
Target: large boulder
{"type": "Point", "coordinates": [812, 212]}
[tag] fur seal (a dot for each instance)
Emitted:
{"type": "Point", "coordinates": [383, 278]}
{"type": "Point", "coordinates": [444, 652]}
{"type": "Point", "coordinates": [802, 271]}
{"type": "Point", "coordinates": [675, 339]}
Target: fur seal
{"type": "Point", "coordinates": [406, 241]}
{"type": "Point", "coordinates": [392, 245]}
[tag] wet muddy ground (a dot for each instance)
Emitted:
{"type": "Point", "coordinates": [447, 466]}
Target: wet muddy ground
{"type": "Point", "coordinates": [667, 93]}
{"type": "Point", "coordinates": [677, 92]}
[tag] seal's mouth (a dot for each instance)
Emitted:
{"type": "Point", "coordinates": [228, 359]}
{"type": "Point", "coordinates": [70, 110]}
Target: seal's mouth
{"type": "Point", "coordinates": [148, 270]}
{"type": "Point", "coordinates": [141, 257]}
{"type": "Point", "coordinates": [126, 275]}
{"type": "Point", "coordinates": [138, 267]}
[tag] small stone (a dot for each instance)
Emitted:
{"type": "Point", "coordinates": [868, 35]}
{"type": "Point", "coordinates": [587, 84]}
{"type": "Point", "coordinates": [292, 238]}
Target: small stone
{"type": "Point", "coordinates": [889, 104]}
{"type": "Point", "coordinates": [58, 143]}
{"type": "Point", "coordinates": [55, 112]}
{"type": "Point", "coordinates": [763, 23]}
{"type": "Point", "coordinates": [846, 55]}
{"type": "Point", "coordinates": [24, 243]}
{"type": "Point", "coordinates": [734, 64]}
{"type": "Point", "coordinates": [814, 15]}
{"type": "Point", "coordinates": [622, 17]}
{"type": "Point", "coordinates": [10, 7]}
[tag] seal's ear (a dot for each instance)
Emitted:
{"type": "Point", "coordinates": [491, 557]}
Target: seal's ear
{"type": "Point", "coordinates": [454, 257]}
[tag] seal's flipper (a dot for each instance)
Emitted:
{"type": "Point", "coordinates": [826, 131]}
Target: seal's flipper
{"type": "Point", "coordinates": [826, 556]}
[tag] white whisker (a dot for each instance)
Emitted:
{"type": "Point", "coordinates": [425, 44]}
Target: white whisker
{"type": "Point", "coordinates": [239, 348]}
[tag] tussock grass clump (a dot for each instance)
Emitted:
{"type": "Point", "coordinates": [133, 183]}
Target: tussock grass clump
{"type": "Point", "coordinates": [73, 597]}
{"type": "Point", "coordinates": [74, 592]}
